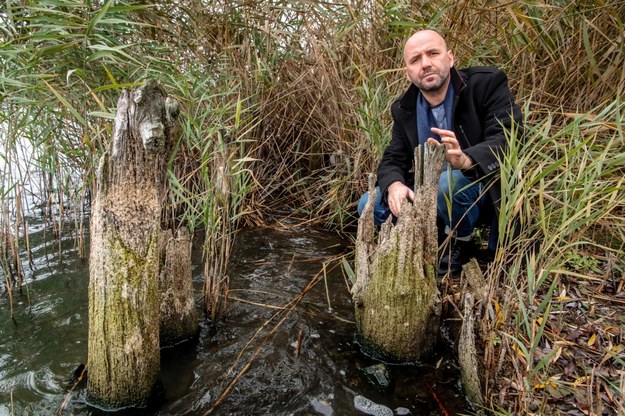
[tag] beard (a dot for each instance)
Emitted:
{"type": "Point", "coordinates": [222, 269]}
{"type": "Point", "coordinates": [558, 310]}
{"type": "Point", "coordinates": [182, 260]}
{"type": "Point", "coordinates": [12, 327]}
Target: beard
{"type": "Point", "coordinates": [436, 84]}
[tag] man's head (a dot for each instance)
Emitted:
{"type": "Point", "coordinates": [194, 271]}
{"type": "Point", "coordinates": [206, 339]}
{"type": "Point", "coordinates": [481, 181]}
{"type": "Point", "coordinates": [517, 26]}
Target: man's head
{"type": "Point", "coordinates": [428, 61]}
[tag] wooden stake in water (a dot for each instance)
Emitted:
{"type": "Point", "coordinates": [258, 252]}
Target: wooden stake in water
{"type": "Point", "coordinates": [396, 295]}
{"type": "Point", "coordinates": [179, 320]}
{"type": "Point", "coordinates": [124, 349]}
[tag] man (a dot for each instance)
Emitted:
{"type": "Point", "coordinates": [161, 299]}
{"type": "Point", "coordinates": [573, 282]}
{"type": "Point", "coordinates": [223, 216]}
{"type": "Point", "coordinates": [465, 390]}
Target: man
{"type": "Point", "coordinates": [470, 111]}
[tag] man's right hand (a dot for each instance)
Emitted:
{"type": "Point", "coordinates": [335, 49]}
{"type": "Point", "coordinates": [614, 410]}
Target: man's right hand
{"type": "Point", "coordinates": [397, 192]}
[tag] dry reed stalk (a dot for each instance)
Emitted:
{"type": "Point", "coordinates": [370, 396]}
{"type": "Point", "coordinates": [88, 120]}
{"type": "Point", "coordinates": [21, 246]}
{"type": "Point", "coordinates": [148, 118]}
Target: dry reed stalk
{"type": "Point", "coordinates": [318, 95]}
{"type": "Point", "coordinates": [219, 240]}
{"type": "Point", "coordinates": [70, 392]}
{"type": "Point", "coordinates": [249, 302]}
{"type": "Point", "coordinates": [11, 260]}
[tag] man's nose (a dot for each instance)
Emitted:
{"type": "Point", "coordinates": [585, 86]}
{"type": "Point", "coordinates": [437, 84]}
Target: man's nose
{"type": "Point", "coordinates": [425, 61]}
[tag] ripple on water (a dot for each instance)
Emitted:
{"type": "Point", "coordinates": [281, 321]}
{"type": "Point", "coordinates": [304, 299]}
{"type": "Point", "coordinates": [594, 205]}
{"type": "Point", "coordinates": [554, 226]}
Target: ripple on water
{"type": "Point", "coordinates": [45, 307]}
{"type": "Point", "coordinates": [34, 384]}
{"type": "Point", "coordinates": [43, 382]}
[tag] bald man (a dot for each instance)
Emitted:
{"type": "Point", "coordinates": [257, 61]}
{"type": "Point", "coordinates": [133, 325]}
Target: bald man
{"type": "Point", "coordinates": [471, 111]}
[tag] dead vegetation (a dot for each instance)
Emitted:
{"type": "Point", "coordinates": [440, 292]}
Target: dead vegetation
{"type": "Point", "coordinates": [292, 99]}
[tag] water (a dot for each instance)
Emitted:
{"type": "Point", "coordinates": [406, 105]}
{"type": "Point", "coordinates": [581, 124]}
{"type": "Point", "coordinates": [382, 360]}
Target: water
{"type": "Point", "coordinates": [298, 361]}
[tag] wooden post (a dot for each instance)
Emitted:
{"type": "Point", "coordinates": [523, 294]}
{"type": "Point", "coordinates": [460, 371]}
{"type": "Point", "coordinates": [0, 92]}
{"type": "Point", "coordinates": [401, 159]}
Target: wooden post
{"type": "Point", "coordinates": [396, 295]}
{"type": "Point", "coordinates": [471, 363]}
{"type": "Point", "coordinates": [124, 355]}
{"type": "Point", "coordinates": [179, 318]}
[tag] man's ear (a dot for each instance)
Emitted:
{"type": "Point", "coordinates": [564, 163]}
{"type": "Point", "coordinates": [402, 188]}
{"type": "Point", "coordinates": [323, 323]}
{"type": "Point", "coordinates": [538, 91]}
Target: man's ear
{"type": "Point", "coordinates": [450, 54]}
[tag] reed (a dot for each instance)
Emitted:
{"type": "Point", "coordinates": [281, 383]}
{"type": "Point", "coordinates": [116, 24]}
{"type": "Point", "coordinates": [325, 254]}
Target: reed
{"type": "Point", "coordinates": [286, 104]}
{"type": "Point", "coordinates": [60, 62]}
{"type": "Point", "coordinates": [564, 190]}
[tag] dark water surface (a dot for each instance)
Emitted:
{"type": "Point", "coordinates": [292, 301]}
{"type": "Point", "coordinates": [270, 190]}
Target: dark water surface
{"type": "Point", "coordinates": [298, 360]}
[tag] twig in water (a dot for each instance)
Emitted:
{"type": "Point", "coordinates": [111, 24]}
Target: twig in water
{"type": "Point", "coordinates": [440, 404]}
{"type": "Point", "coordinates": [325, 282]}
{"type": "Point", "coordinates": [229, 388]}
{"type": "Point", "coordinates": [292, 260]}
{"type": "Point", "coordinates": [262, 305]}
{"type": "Point", "coordinates": [71, 390]}
{"type": "Point", "coordinates": [298, 345]}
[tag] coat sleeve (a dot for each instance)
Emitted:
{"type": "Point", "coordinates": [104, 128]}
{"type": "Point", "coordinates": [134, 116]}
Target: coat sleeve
{"type": "Point", "coordinates": [397, 158]}
{"type": "Point", "coordinates": [501, 115]}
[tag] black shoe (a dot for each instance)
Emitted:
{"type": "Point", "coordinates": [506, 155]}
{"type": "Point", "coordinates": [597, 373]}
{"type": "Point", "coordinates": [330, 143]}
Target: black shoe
{"type": "Point", "coordinates": [454, 257]}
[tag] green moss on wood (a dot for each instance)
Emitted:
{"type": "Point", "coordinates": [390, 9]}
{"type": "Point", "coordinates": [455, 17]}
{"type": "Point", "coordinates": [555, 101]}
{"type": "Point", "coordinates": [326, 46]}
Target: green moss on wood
{"type": "Point", "coordinates": [124, 357]}
{"type": "Point", "coordinates": [396, 295]}
{"type": "Point", "coordinates": [398, 301]}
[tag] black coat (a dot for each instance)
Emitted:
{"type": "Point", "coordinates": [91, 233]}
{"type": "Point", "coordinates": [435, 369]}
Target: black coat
{"type": "Point", "coordinates": [482, 111]}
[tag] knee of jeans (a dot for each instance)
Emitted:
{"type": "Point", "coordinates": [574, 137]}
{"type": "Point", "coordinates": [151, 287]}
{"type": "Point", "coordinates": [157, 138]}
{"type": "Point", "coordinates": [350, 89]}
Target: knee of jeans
{"type": "Point", "coordinates": [363, 201]}
{"type": "Point", "coordinates": [470, 216]}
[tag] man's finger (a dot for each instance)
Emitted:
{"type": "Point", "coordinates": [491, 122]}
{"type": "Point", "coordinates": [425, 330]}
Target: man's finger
{"type": "Point", "coordinates": [455, 151]}
{"type": "Point", "coordinates": [394, 209]}
{"type": "Point", "coordinates": [449, 140]}
{"type": "Point", "coordinates": [443, 132]}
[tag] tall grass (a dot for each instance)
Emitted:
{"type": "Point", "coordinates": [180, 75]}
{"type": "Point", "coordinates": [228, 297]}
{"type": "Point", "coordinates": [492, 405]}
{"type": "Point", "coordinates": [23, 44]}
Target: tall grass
{"type": "Point", "coordinates": [63, 67]}
{"type": "Point", "coordinates": [210, 174]}
{"type": "Point", "coordinates": [60, 62]}
{"type": "Point", "coordinates": [564, 189]}
{"type": "Point", "coordinates": [285, 110]}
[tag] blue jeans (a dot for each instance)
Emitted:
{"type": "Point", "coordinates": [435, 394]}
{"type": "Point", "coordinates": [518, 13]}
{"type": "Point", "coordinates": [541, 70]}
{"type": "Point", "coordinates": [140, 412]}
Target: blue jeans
{"type": "Point", "coordinates": [457, 196]}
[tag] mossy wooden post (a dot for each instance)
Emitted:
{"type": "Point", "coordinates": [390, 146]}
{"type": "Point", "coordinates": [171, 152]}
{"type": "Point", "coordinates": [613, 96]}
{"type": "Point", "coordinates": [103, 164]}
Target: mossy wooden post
{"type": "Point", "coordinates": [475, 294]}
{"type": "Point", "coordinates": [396, 295]}
{"type": "Point", "coordinates": [179, 318]}
{"type": "Point", "coordinates": [124, 354]}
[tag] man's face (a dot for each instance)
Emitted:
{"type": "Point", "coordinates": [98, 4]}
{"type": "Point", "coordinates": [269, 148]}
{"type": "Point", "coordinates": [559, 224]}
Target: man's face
{"type": "Point", "coordinates": [428, 61]}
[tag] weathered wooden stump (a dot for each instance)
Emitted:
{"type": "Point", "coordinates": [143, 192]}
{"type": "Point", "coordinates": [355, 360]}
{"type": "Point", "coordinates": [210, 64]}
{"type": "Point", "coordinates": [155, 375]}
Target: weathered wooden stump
{"type": "Point", "coordinates": [471, 365]}
{"type": "Point", "coordinates": [395, 294]}
{"type": "Point", "coordinates": [179, 318]}
{"type": "Point", "coordinates": [124, 355]}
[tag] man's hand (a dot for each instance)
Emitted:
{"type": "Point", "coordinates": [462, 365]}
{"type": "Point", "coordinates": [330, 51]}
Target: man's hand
{"type": "Point", "coordinates": [397, 192]}
{"type": "Point", "coordinates": [455, 156]}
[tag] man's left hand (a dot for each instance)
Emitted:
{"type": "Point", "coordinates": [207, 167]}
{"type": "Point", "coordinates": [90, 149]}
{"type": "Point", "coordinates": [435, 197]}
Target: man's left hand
{"type": "Point", "coordinates": [455, 156]}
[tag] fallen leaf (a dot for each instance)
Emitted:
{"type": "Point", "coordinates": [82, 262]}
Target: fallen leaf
{"type": "Point", "coordinates": [581, 380]}
{"type": "Point", "coordinates": [498, 313]}
{"type": "Point", "coordinates": [557, 355]}
{"type": "Point", "coordinates": [562, 296]}
{"type": "Point", "coordinates": [592, 340]}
